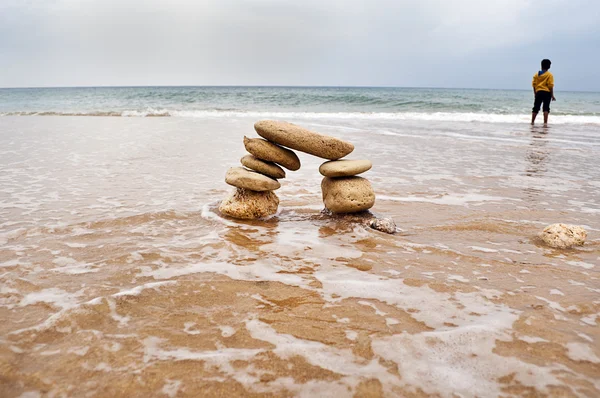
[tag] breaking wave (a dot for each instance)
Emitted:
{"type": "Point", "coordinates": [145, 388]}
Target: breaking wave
{"type": "Point", "coordinates": [416, 116]}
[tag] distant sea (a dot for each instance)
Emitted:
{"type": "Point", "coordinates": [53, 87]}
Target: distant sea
{"type": "Point", "coordinates": [464, 105]}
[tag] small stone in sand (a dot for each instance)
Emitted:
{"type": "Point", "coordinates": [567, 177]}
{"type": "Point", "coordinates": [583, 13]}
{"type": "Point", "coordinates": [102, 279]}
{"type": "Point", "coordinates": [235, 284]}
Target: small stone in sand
{"type": "Point", "coordinates": [242, 178]}
{"type": "Point", "coordinates": [563, 236]}
{"type": "Point", "coordinates": [386, 225]}
{"type": "Point", "coordinates": [270, 152]}
{"type": "Point", "coordinates": [344, 168]}
{"type": "Point", "coordinates": [248, 205]}
{"type": "Point", "coordinates": [269, 169]}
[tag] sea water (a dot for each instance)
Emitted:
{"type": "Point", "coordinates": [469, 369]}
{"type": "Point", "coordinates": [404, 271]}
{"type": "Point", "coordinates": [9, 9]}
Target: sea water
{"type": "Point", "coordinates": [373, 103]}
{"type": "Point", "coordinates": [118, 276]}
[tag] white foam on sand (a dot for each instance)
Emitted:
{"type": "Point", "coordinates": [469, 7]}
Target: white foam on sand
{"type": "Point", "coordinates": [438, 361]}
{"type": "Point", "coordinates": [436, 308]}
{"type": "Point", "coordinates": [590, 319]}
{"type": "Point", "coordinates": [306, 243]}
{"type": "Point", "coordinates": [448, 199]}
{"type": "Point", "coordinates": [552, 304]}
{"type": "Point", "coordinates": [171, 388]}
{"type": "Point", "coordinates": [227, 331]}
{"type": "Point", "coordinates": [259, 271]}
{"type": "Point", "coordinates": [533, 339]}
{"type": "Point", "coordinates": [220, 358]}
{"type": "Point", "coordinates": [581, 352]}
{"type": "Point", "coordinates": [367, 116]}
{"type": "Point", "coordinates": [483, 249]}
{"type": "Point", "coordinates": [585, 337]}
{"type": "Point", "coordinates": [458, 278]}
{"type": "Point", "coordinates": [30, 394]}
{"type": "Point", "coordinates": [432, 360]}
{"type": "Point", "coordinates": [68, 265]}
{"type": "Point", "coordinates": [210, 215]}
{"type": "Point", "coordinates": [448, 363]}
{"type": "Point", "coordinates": [187, 328]}
{"type": "Point", "coordinates": [76, 245]}
{"type": "Point", "coordinates": [10, 263]}
{"type": "Point", "coordinates": [581, 264]}
{"type": "Point", "coordinates": [138, 289]}
{"type": "Point", "coordinates": [458, 362]}
{"type": "Point", "coordinates": [341, 361]}
{"type": "Point", "coordinates": [55, 296]}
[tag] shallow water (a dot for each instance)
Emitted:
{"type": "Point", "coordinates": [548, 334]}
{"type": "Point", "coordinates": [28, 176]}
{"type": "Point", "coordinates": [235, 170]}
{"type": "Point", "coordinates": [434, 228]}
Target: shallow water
{"type": "Point", "coordinates": [118, 277]}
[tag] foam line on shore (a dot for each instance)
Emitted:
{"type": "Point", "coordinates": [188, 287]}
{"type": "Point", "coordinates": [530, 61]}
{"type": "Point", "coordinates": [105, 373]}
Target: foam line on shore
{"type": "Point", "coordinates": [416, 116]}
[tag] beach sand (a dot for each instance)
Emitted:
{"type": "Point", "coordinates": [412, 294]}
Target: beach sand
{"type": "Point", "coordinates": [119, 278]}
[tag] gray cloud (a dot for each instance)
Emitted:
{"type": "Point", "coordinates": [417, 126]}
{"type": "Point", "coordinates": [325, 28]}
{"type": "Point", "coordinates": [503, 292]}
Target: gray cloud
{"type": "Point", "coordinates": [468, 43]}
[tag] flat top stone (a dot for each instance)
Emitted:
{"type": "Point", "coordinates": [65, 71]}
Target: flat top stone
{"type": "Point", "coordinates": [265, 150]}
{"type": "Point", "coordinates": [301, 139]}
{"type": "Point", "coordinates": [242, 178]}
{"type": "Point", "coordinates": [344, 168]}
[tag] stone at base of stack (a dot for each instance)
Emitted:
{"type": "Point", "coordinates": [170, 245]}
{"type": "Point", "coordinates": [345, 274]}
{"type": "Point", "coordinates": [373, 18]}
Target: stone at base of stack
{"type": "Point", "coordinates": [248, 205]}
{"type": "Point", "coordinates": [347, 194]}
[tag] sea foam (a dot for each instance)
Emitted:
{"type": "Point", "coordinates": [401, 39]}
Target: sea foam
{"type": "Point", "coordinates": [374, 116]}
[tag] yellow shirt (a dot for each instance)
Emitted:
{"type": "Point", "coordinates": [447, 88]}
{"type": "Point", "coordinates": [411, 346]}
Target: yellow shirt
{"type": "Point", "coordinates": [543, 82]}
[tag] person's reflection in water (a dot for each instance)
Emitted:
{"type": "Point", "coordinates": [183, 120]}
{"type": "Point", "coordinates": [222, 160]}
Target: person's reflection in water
{"type": "Point", "coordinates": [536, 163]}
{"type": "Point", "coordinates": [537, 153]}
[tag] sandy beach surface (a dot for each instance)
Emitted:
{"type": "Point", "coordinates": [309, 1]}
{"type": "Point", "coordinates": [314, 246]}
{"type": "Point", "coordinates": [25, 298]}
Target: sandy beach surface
{"type": "Point", "coordinates": [119, 278]}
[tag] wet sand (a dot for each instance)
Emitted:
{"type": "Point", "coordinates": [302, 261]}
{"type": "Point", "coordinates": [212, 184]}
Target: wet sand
{"type": "Point", "coordinates": [119, 278]}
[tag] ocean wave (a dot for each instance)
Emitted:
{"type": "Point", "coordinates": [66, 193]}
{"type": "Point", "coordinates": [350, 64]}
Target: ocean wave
{"type": "Point", "coordinates": [384, 116]}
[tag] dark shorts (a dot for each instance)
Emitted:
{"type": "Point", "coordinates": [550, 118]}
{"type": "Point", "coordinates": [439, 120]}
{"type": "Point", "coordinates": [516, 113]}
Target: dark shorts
{"type": "Point", "coordinates": [542, 97]}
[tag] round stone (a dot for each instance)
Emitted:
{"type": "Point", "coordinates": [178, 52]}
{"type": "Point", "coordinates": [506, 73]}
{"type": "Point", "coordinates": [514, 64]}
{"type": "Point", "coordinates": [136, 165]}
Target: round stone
{"type": "Point", "coordinates": [270, 152]}
{"type": "Point", "coordinates": [347, 194]}
{"type": "Point", "coordinates": [386, 225]}
{"type": "Point", "coordinates": [563, 236]}
{"type": "Point", "coordinates": [249, 205]}
{"type": "Point", "coordinates": [344, 168]}
{"type": "Point", "coordinates": [267, 168]}
{"type": "Point", "coordinates": [291, 136]}
{"type": "Point", "coordinates": [242, 178]}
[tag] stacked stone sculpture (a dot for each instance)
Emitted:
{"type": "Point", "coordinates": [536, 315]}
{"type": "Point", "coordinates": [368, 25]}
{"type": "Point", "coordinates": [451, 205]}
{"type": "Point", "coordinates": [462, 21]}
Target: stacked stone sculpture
{"type": "Point", "coordinates": [343, 191]}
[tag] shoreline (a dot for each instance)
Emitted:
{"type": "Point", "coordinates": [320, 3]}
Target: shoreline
{"type": "Point", "coordinates": [117, 270]}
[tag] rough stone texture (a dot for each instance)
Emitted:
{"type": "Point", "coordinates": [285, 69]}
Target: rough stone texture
{"type": "Point", "coordinates": [366, 218]}
{"type": "Point", "coordinates": [301, 139]}
{"type": "Point", "coordinates": [344, 168]}
{"type": "Point", "coordinates": [270, 152]}
{"type": "Point", "coordinates": [347, 194]}
{"type": "Point", "coordinates": [386, 225]}
{"type": "Point", "coordinates": [248, 205]}
{"type": "Point", "coordinates": [269, 169]}
{"type": "Point", "coordinates": [242, 178]}
{"type": "Point", "coordinates": [563, 236]}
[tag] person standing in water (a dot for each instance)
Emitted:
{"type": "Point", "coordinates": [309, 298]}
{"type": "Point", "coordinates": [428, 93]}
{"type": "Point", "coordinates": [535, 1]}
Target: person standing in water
{"type": "Point", "coordinates": [543, 91]}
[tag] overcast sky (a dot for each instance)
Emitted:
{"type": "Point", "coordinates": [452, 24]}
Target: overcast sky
{"type": "Point", "coordinates": [415, 43]}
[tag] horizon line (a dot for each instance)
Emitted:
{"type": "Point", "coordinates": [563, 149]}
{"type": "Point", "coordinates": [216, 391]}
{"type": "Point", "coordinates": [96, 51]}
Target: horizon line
{"type": "Point", "coordinates": [281, 86]}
